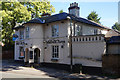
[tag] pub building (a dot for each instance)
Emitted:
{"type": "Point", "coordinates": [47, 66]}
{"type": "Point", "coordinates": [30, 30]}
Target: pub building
{"type": "Point", "coordinates": [51, 39]}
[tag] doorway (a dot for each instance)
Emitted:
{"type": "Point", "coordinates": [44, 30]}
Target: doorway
{"type": "Point", "coordinates": [36, 55]}
{"type": "Point", "coordinates": [27, 55]}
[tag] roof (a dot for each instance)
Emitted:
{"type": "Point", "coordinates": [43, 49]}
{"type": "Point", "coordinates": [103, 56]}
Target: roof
{"type": "Point", "coordinates": [63, 16]}
{"type": "Point", "coordinates": [114, 39]}
{"type": "Point", "coordinates": [117, 31]}
{"type": "Point", "coordinates": [20, 26]}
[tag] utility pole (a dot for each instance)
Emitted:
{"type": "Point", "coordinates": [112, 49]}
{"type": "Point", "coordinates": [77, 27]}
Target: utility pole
{"type": "Point", "coordinates": [70, 43]}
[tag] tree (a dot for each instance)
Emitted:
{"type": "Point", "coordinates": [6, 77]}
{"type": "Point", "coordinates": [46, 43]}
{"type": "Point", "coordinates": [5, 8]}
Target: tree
{"type": "Point", "coordinates": [19, 12]}
{"type": "Point", "coordinates": [38, 8]}
{"type": "Point", "coordinates": [61, 11]}
{"type": "Point", "coordinates": [94, 17]}
{"type": "Point", "coordinates": [116, 26]}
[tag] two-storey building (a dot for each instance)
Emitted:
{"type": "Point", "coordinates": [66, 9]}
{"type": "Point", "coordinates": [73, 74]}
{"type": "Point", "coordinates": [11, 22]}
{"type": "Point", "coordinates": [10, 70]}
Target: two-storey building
{"type": "Point", "coordinates": [47, 39]}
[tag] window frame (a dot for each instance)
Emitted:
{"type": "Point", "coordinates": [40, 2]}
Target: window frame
{"type": "Point", "coordinates": [21, 36]}
{"type": "Point", "coordinates": [95, 31]}
{"type": "Point", "coordinates": [55, 51]}
{"type": "Point", "coordinates": [55, 33]}
{"type": "Point", "coordinates": [76, 31]}
{"type": "Point", "coordinates": [21, 51]}
{"type": "Point", "coordinates": [27, 32]}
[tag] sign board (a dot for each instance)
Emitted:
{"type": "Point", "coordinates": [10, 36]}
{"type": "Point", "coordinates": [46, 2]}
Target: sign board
{"type": "Point", "coordinates": [55, 41]}
{"type": "Point", "coordinates": [15, 36]}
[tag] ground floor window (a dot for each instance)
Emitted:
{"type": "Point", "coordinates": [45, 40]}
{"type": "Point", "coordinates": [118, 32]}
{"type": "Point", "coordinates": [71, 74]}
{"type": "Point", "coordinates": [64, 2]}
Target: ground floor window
{"type": "Point", "coordinates": [21, 52]}
{"type": "Point", "coordinates": [55, 52]}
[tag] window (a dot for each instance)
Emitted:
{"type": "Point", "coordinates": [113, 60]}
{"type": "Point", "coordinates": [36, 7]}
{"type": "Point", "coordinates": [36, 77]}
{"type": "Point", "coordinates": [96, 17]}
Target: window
{"type": "Point", "coordinates": [95, 31]}
{"type": "Point", "coordinates": [27, 32]}
{"type": "Point", "coordinates": [21, 34]}
{"type": "Point", "coordinates": [21, 52]}
{"type": "Point", "coordinates": [78, 30]}
{"type": "Point", "coordinates": [99, 31]}
{"type": "Point", "coordinates": [31, 54]}
{"type": "Point", "coordinates": [55, 31]}
{"type": "Point", "coordinates": [55, 52]}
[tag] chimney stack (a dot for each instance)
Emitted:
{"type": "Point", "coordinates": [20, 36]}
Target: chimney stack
{"type": "Point", "coordinates": [74, 9]}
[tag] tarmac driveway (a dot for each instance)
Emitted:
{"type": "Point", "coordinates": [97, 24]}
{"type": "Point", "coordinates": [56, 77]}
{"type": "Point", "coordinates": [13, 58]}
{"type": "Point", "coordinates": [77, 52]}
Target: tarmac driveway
{"type": "Point", "coordinates": [11, 69]}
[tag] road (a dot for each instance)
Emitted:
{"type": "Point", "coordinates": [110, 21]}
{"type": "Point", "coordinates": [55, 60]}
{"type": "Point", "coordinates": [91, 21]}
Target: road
{"type": "Point", "coordinates": [11, 69]}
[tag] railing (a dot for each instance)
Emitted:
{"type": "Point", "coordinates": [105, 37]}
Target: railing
{"type": "Point", "coordinates": [88, 38]}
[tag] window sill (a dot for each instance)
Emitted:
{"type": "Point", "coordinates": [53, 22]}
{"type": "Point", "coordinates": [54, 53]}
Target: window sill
{"type": "Point", "coordinates": [21, 57]}
{"type": "Point", "coordinates": [54, 59]}
{"type": "Point", "coordinates": [55, 36]}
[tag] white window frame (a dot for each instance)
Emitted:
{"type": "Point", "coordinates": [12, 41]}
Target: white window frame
{"type": "Point", "coordinates": [21, 34]}
{"type": "Point", "coordinates": [55, 31]}
{"type": "Point", "coordinates": [27, 31]}
{"type": "Point", "coordinates": [78, 30]}
{"type": "Point", "coordinates": [55, 52]}
{"type": "Point", "coordinates": [95, 31]}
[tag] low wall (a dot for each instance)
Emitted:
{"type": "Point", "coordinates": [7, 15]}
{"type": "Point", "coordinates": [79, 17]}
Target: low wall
{"type": "Point", "coordinates": [111, 64]}
{"type": "Point", "coordinates": [7, 55]}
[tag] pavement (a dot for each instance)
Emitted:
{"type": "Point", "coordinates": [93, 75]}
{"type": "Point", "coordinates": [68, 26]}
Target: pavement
{"type": "Point", "coordinates": [11, 69]}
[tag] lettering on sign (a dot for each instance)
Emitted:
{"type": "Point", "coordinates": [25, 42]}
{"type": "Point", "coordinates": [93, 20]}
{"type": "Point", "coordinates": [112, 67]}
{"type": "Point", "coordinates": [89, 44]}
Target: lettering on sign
{"type": "Point", "coordinates": [55, 41]}
{"type": "Point", "coordinates": [21, 43]}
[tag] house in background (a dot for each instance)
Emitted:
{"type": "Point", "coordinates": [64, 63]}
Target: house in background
{"type": "Point", "coordinates": [47, 40]}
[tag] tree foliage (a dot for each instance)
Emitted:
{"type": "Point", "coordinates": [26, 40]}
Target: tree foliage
{"type": "Point", "coordinates": [61, 11]}
{"type": "Point", "coordinates": [116, 26]}
{"type": "Point", "coordinates": [19, 12]}
{"type": "Point", "coordinates": [94, 17]}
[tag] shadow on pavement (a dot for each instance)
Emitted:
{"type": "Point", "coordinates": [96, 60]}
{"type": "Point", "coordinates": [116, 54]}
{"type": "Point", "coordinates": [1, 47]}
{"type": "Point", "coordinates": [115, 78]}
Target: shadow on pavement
{"type": "Point", "coordinates": [51, 72]}
{"type": "Point", "coordinates": [63, 75]}
{"type": "Point", "coordinates": [9, 65]}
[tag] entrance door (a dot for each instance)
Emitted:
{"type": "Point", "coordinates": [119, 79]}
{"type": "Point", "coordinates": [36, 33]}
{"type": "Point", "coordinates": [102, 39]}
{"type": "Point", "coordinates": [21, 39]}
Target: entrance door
{"type": "Point", "coordinates": [36, 55]}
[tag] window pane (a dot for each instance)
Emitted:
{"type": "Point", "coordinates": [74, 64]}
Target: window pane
{"type": "Point", "coordinates": [21, 51]}
{"type": "Point", "coordinates": [21, 34]}
{"type": "Point", "coordinates": [55, 31]}
{"type": "Point", "coordinates": [77, 30]}
{"type": "Point", "coordinates": [55, 51]}
{"type": "Point", "coordinates": [27, 32]}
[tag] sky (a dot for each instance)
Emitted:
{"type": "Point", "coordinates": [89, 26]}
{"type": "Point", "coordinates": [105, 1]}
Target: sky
{"type": "Point", "coordinates": [108, 11]}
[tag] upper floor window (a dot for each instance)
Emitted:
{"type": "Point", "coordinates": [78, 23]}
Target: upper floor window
{"type": "Point", "coordinates": [27, 32]}
{"type": "Point", "coordinates": [95, 31]}
{"type": "Point", "coordinates": [78, 30]}
{"type": "Point", "coordinates": [55, 31]}
{"type": "Point", "coordinates": [21, 34]}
